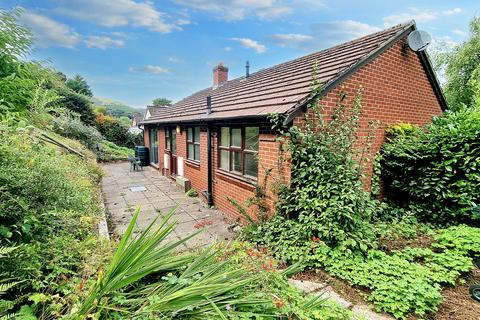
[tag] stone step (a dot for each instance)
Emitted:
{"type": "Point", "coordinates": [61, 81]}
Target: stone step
{"type": "Point", "coordinates": [327, 292]}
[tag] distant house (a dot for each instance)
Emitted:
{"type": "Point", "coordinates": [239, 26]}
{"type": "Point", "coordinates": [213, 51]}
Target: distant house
{"type": "Point", "coordinates": [221, 141]}
{"type": "Point", "coordinates": [134, 126]}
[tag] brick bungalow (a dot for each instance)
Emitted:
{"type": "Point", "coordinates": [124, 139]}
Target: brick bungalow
{"type": "Point", "coordinates": [220, 142]}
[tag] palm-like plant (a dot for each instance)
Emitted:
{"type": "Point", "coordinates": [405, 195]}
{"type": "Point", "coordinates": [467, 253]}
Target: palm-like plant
{"type": "Point", "coordinates": [148, 277]}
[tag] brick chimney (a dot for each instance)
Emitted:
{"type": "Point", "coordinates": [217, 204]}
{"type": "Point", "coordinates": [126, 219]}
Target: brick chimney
{"type": "Point", "coordinates": [220, 74]}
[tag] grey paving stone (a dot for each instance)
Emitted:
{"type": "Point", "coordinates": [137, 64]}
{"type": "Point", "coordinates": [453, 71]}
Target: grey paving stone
{"type": "Point", "coordinates": [366, 312]}
{"type": "Point", "coordinates": [329, 293]}
{"type": "Point", "coordinates": [307, 286]}
{"type": "Point", "coordinates": [162, 194]}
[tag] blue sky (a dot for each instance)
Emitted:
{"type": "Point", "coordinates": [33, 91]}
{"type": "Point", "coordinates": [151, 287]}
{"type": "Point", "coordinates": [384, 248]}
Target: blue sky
{"type": "Point", "coordinates": [134, 51]}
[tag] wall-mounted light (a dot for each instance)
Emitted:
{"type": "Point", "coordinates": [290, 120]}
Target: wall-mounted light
{"type": "Point", "coordinates": [179, 129]}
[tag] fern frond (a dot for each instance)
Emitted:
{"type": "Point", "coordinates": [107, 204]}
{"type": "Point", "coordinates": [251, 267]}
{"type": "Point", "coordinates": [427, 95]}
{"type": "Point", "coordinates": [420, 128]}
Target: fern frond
{"type": "Point", "coordinates": [6, 286]}
{"type": "Point", "coordinates": [5, 305]}
{"type": "Point", "coordinates": [6, 250]}
{"type": "Point", "coordinates": [7, 316]}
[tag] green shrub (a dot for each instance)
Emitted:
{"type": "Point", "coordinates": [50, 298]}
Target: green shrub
{"type": "Point", "coordinates": [111, 152]}
{"type": "Point", "coordinates": [146, 280]}
{"type": "Point", "coordinates": [400, 129]}
{"type": "Point", "coordinates": [71, 126]}
{"type": "Point", "coordinates": [115, 131]}
{"type": "Point", "coordinates": [397, 286]}
{"type": "Point", "coordinates": [326, 195]}
{"type": "Point", "coordinates": [408, 280]}
{"type": "Point", "coordinates": [436, 173]}
{"type": "Point", "coordinates": [462, 238]}
{"type": "Point", "coordinates": [48, 203]}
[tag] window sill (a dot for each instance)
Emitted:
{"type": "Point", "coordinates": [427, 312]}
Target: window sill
{"type": "Point", "coordinates": [238, 179]}
{"type": "Point", "coordinates": [193, 163]}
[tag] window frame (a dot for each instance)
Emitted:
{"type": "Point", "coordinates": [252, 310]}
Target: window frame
{"type": "Point", "coordinates": [168, 139]}
{"type": "Point", "coordinates": [235, 149]}
{"type": "Point", "coordinates": [194, 143]}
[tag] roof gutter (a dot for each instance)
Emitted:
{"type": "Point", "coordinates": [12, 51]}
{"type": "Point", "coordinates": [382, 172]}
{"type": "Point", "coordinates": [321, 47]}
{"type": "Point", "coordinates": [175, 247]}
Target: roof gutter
{"type": "Point", "coordinates": [204, 120]}
{"type": "Point", "coordinates": [432, 77]}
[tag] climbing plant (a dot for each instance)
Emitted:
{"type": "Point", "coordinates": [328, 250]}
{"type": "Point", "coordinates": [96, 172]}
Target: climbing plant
{"type": "Point", "coordinates": [326, 200]}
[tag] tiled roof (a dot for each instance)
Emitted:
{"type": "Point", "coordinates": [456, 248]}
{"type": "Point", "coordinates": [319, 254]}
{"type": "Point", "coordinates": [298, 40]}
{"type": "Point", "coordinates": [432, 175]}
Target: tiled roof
{"type": "Point", "coordinates": [279, 89]}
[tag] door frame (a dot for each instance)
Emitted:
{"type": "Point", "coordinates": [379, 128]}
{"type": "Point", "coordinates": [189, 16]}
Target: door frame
{"type": "Point", "coordinates": [152, 150]}
{"type": "Point", "coordinates": [171, 150]}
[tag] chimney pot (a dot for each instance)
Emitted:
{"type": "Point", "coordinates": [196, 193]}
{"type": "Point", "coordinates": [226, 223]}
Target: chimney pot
{"type": "Point", "coordinates": [220, 74]}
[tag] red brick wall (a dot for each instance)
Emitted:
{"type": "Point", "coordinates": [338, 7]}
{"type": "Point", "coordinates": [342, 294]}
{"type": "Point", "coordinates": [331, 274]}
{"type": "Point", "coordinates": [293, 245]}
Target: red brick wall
{"type": "Point", "coordinates": [146, 137]}
{"type": "Point", "coordinates": [197, 171]}
{"type": "Point", "coordinates": [395, 88]}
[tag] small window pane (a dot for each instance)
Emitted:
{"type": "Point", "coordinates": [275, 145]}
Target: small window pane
{"type": "Point", "coordinates": [251, 165]}
{"type": "Point", "coordinates": [190, 134]}
{"type": "Point", "coordinates": [196, 137]}
{"type": "Point", "coordinates": [225, 159]}
{"type": "Point", "coordinates": [197, 152]}
{"type": "Point", "coordinates": [225, 136]}
{"type": "Point", "coordinates": [167, 143]}
{"type": "Point", "coordinates": [236, 137]}
{"type": "Point", "coordinates": [237, 162]}
{"type": "Point", "coordinates": [174, 142]}
{"type": "Point", "coordinates": [251, 138]}
{"type": "Point", "coordinates": [190, 151]}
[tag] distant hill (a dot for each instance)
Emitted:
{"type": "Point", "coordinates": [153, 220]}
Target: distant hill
{"type": "Point", "coordinates": [117, 109]}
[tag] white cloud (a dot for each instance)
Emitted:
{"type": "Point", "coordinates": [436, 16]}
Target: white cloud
{"type": "Point", "coordinates": [340, 31]}
{"type": "Point", "coordinates": [234, 10]}
{"type": "Point", "coordinates": [119, 34]}
{"type": "Point", "coordinates": [175, 60]}
{"type": "Point", "coordinates": [324, 35]}
{"type": "Point", "coordinates": [251, 44]}
{"type": "Point", "coordinates": [182, 22]}
{"type": "Point", "coordinates": [48, 32]}
{"type": "Point", "coordinates": [291, 39]}
{"type": "Point", "coordinates": [413, 13]}
{"type": "Point", "coordinates": [452, 12]}
{"type": "Point", "coordinates": [459, 32]}
{"type": "Point", "coordinates": [149, 69]}
{"type": "Point", "coordinates": [444, 43]}
{"type": "Point", "coordinates": [103, 42]}
{"type": "Point", "coordinates": [120, 13]}
{"type": "Point", "coordinates": [227, 49]}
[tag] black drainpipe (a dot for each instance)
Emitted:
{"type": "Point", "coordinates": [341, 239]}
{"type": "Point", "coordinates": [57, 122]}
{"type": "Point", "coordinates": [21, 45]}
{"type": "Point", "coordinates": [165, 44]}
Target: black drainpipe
{"type": "Point", "coordinates": [209, 164]}
{"type": "Point", "coordinates": [209, 156]}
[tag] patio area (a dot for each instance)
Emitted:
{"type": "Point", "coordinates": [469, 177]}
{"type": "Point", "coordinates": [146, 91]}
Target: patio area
{"type": "Point", "coordinates": [124, 190]}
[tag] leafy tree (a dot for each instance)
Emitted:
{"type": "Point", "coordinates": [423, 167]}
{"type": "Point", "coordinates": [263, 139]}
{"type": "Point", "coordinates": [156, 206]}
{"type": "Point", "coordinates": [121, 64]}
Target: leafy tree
{"type": "Point", "coordinates": [15, 40]}
{"type": "Point", "coordinates": [462, 69]}
{"type": "Point", "coordinates": [62, 76]}
{"type": "Point", "coordinates": [78, 103]}
{"type": "Point", "coordinates": [161, 102]}
{"type": "Point", "coordinates": [79, 85]}
{"type": "Point", "coordinates": [100, 109]}
{"type": "Point", "coordinates": [114, 130]}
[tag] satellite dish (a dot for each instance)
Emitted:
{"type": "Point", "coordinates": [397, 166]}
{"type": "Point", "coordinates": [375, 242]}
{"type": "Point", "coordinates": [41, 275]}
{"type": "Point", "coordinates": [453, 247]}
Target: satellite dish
{"type": "Point", "coordinates": [419, 40]}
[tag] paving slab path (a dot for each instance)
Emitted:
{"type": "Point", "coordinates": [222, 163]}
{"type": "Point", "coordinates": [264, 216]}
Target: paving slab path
{"type": "Point", "coordinates": [124, 190]}
{"type": "Point", "coordinates": [363, 311]}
